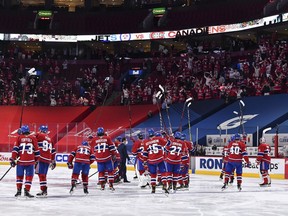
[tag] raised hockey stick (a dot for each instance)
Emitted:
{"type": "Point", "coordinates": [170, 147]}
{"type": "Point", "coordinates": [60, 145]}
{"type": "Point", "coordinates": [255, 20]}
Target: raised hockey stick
{"type": "Point", "coordinates": [130, 118]}
{"type": "Point", "coordinates": [241, 106]}
{"type": "Point", "coordinates": [189, 125]}
{"type": "Point", "coordinates": [236, 113]}
{"type": "Point", "coordinates": [158, 98]}
{"type": "Point", "coordinates": [30, 71]}
{"type": "Point", "coordinates": [183, 111]}
{"type": "Point", "coordinates": [166, 108]}
{"type": "Point", "coordinates": [266, 130]}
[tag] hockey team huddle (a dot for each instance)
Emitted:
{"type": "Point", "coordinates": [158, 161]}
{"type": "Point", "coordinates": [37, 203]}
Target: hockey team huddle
{"type": "Point", "coordinates": [161, 159]}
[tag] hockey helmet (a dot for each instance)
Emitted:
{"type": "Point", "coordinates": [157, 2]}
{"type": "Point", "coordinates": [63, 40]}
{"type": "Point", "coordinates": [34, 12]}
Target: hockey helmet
{"type": "Point", "coordinates": [178, 135]}
{"type": "Point", "coordinates": [183, 136]}
{"type": "Point", "coordinates": [151, 132]}
{"type": "Point", "coordinates": [118, 138]}
{"type": "Point", "coordinates": [85, 143]}
{"type": "Point", "coordinates": [43, 128]}
{"type": "Point", "coordinates": [100, 131]}
{"type": "Point", "coordinates": [140, 136]}
{"type": "Point", "coordinates": [237, 136]}
{"type": "Point", "coordinates": [25, 129]}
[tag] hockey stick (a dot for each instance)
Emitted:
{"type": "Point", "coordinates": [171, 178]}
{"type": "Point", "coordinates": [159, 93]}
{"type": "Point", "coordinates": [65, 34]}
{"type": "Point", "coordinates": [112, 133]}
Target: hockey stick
{"type": "Point", "coordinates": [8, 169]}
{"type": "Point", "coordinates": [24, 93]}
{"type": "Point", "coordinates": [263, 134]}
{"type": "Point", "coordinates": [183, 110]}
{"type": "Point", "coordinates": [101, 107]}
{"type": "Point", "coordinates": [158, 98]}
{"type": "Point", "coordinates": [80, 182]}
{"type": "Point", "coordinates": [162, 121]}
{"type": "Point", "coordinates": [166, 107]}
{"type": "Point", "coordinates": [130, 118]}
{"type": "Point", "coordinates": [265, 130]}
{"type": "Point", "coordinates": [6, 173]}
{"type": "Point", "coordinates": [236, 113]}
{"type": "Point", "coordinates": [241, 106]}
{"type": "Point", "coordinates": [189, 125]}
{"type": "Point", "coordinates": [30, 71]}
{"type": "Point", "coordinates": [220, 133]}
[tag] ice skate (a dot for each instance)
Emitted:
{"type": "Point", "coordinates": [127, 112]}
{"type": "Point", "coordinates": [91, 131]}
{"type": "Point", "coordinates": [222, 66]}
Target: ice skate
{"type": "Point", "coordinates": [173, 189]}
{"type": "Point", "coordinates": [111, 188]}
{"type": "Point", "coordinates": [72, 189]}
{"type": "Point", "coordinates": [85, 189]}
{"type": "Point", "coordinates": [180, 187]}
{"type": "Point", "coordinates": [144, 186]}
{"type": "Point", "coordinates": [42, 193]}
{"type": "Point", "coordinates": [221, 177]}
{"type": "Point", "coordinates": [18, 194]}
{"type": "Point", "coordinates": [102, 186]}
{"type": "Point", "coordinates": [224, 187]}
{"type": "Point", "coordinates": [239, 187]}
{"type": "Point", "coordinates": [264, 185]}
{"type": "Point", "coordinates": [153, 189]}
{"type": "Point", "coordinates": [166, 191]}
{"type": "Point", "coordinates": [27, 194]}
{"type": "Point", "coordinates": [231, 180]}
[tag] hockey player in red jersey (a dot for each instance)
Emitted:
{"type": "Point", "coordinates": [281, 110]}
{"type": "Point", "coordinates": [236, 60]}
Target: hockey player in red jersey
{"type": "Point", "coordinates": [46, 159]}
{"type": "Point", "coordinates": [137, 151]}
{"type": "Point", "coordinates": [116, 160]}
{"type": "Point", "coordinates": [153, 155]}
{"type": "Point", "coordinates": [104, 150]}
{"type": "Point", "coordinates": [83, 156]}
{"type": "Point", "coordinates": [26, 152]}
{"type": "Point", "coordinates": [176, 152]}
{"type": "Point", "coordinates": [237, 151]}
{"type": "Point", "coordinates": [184, 171]}
{"type": "Point", "coordinates": [225, 156]}
{"type": "Point", "coordinates": [263, 160]}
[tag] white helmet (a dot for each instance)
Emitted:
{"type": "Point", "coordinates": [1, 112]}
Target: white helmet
{"type": "Point", "coordinates": [262, 140]}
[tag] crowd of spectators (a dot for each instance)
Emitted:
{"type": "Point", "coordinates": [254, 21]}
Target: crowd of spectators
{"type": "Point", "coordinates": [202, 76]}
{"type": "Point", "coordinates": [54, 84]}
{"type": "Point", "coordinates": [261, 72]}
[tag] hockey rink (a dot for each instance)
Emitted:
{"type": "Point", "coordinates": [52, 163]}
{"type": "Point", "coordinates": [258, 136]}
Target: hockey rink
{"type": "Point", "coordinates": [204, 197]}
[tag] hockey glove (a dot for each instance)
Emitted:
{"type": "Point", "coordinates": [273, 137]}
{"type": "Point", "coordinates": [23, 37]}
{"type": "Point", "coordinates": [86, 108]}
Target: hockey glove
{"type": "Point", "coordinates": [248, 165]}
{"type": "Point", "coordinates": [53, 164]}
{"type": "Point", "coordinates": [12, 162]}
{"type": "Point", "coordinates": [70, 165]}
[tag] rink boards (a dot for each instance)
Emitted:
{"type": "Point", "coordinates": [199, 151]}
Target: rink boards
{"type": "Point", "coordinates": [199, 165]}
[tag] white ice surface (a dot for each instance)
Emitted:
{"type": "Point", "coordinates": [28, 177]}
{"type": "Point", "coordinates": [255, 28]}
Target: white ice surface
{"type": "Point", "coordinates": [204, 197]}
